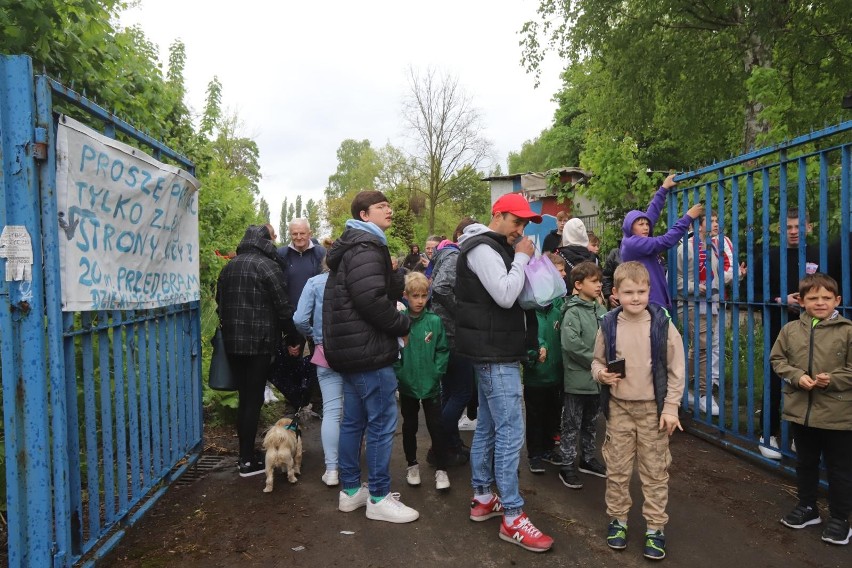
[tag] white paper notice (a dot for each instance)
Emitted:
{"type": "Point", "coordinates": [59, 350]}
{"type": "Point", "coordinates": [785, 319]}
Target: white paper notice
{"type": "Point", "coordinates": [17, 248]}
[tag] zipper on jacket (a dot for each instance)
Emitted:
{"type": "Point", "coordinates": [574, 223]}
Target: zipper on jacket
{"type": "Point", "coordinates": [810, 373]}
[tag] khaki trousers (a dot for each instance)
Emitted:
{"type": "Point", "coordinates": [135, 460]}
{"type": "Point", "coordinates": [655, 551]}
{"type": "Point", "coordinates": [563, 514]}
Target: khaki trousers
{"type": "Point", "coordinates": [632, 430]}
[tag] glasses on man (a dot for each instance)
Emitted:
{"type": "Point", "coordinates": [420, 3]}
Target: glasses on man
{"type": "Point", "coordinates": [382, 207]}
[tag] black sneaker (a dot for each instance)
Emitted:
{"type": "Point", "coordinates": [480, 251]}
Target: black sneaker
{"type": "Point", "coordinates": [593, 467]}
{"type": "Point", "coordinates": [553, 456]}
{"type": "Point", "coordinates": [537, 465]}
{"type": "Point", "coordinates": [251, 467]}
{"type": "Point", "coordinates": [655, 545]}
{"type": "Point", "coordinates": [837, 531]}
{"type": "Point", "coordinates": [801, 517]}
{"type": "Point", "coordinates": [568, 477]}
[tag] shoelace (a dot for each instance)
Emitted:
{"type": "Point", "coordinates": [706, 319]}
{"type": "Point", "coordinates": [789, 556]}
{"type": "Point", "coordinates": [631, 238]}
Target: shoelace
{"type": "Point", "coordinates": [394, 499]}
{"type": "Point", "coordinates": [527, 527]}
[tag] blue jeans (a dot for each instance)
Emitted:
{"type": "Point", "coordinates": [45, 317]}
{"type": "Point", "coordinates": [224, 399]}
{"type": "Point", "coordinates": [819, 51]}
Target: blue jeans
{"type": "Point", "coordinates": [331, 385]}
{"type": "Point", "coordinates": [456, 391]}
{"type": "Point", "coordinates": [499, 436]}
{"type": "Point", "coordinates": [369, 406]}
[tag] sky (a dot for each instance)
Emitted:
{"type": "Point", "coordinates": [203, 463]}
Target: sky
{"type": "Point", "coordinates": [304, 76]}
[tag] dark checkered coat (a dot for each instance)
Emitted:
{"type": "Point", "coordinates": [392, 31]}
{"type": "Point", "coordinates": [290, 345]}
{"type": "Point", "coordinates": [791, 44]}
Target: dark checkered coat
{"type": "Point", "coordinates": [360, 322]}
{"type": "Point", "coordinates": [252, 297]}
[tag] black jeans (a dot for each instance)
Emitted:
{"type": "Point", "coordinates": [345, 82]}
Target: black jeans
{"type": "Point", "coordinates": [457, 388]}
{"type": "Point", "coordinates": [836, 447]}
{"type": "Point", "coordinates": [252, 372]}
{"type": "Point", "coordinates": [410, 408]}
{"type": "Point", "coordinates": [543, 407]}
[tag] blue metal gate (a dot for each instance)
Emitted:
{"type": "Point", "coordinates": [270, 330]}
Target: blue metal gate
{"type": "Point", "coordinates": [751, 195]}
{"type": "Point", "coordinates": [102, 410]}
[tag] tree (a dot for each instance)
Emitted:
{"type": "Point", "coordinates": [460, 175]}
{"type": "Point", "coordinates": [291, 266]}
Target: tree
{"type": "Point", "coordinates": [358, 165]}
{"type": "Point", "coordinates": [283, 222]}
{"type": "Point", "coordinates": [313, 212]}
{"type": "Point", "coordinates": [665, 70]}
{"type": "Point", "coordinates": [470, 195]}
{"type": "Point", "coordinates": [446, 130]}
{"type": "Point", "coordinates": [298, 212]}
{"type": "Point", "coordinates": [263, 211]}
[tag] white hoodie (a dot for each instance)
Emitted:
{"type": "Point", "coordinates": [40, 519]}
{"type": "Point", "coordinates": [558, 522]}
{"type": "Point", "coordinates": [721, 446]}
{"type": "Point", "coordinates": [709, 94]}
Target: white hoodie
{"type": "Point", "coordinates": [503, 287]}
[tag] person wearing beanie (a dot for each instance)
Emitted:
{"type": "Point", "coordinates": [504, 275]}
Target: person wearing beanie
{"type": "Point", "coordinates": [575, 243]}
{"type": "Point", "coordinates": [362, 334]}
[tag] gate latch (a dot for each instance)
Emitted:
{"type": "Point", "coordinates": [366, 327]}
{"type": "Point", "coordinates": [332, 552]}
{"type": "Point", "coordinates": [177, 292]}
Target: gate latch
{"type": "Point", "coordinates": [40, 145]}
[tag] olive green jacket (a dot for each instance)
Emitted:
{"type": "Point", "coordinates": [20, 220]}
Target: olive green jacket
{"type": "Point", "coordinates": [805, 349]}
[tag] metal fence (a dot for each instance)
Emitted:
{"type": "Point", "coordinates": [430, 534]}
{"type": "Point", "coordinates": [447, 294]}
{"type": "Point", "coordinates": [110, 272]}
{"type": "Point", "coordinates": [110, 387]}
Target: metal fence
{"type": "Point", "coordinates": [804, 182]}
{"type": "Point", "coordinates": [102, 410]}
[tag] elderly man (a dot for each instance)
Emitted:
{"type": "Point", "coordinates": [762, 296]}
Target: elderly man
{"type": "Point", "coordinates": [302, 259]}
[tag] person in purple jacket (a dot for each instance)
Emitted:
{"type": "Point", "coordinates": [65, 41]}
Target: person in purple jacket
{"type": "Point", "coordinates": [639, 245]}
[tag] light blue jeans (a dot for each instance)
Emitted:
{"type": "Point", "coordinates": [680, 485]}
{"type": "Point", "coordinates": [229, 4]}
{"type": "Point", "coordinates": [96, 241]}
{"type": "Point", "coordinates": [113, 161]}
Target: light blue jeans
{"type": "Point", "coordinates": [499, 436]}
{"type": "Point", "coordinates": [331, 385]}
{"type": "Point", "coordinates": [369, 406]}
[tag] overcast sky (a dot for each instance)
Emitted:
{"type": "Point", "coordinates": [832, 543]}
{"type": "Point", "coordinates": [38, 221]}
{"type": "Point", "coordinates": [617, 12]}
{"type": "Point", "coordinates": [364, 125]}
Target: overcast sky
{"type": "Point", "coordinates": [304, 76]}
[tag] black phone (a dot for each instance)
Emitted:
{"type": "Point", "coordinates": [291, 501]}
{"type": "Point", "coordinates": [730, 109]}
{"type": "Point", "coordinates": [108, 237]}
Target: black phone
{"type": "Point", "coordinates": [616, 366]}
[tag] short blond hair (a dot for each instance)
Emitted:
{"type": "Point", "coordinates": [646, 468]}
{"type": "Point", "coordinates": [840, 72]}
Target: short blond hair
{"type": "Point", "coordinates": [556, 259]}
{"type": "Point", "coordinates": [416, 282]}
{"type": "Point", "coordinates": [562, 215]}
{"type": "Point", "coordinates": [632, 270]}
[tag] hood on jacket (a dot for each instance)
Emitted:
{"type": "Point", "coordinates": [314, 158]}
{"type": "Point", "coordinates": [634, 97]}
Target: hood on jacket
{"type": "Point", "coordinates": [576, 301]}
{"type": "Point", "coordinates": [574, 233]}
{"type": "Point", "coordinates": [352, 236]}
{"type": "Point", "coordinates": [630, 218]}
{"type": "Point", "coordinates": [472, 231]}
{"type": "Point", "coordinates": [257, 240]}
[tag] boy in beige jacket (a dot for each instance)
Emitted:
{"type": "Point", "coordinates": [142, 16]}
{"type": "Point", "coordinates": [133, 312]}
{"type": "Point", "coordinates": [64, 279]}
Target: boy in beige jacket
{"type": "Point", "coordinates": [641, 406]}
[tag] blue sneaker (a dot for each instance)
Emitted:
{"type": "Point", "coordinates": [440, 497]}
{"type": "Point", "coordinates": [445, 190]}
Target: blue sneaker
{"type": "Point", "coordinates": [655, 545]}
{"type": "Point", "coordinates": [616, 535]}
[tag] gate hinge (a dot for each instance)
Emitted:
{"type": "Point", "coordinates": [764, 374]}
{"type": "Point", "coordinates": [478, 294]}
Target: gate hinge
{"type": "Point", "coordinates": [40, 143]}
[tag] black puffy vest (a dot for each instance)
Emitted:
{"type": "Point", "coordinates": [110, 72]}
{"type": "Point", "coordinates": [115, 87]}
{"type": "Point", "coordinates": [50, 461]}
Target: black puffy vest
{"type": "Point", "coordinates": [484, 330]}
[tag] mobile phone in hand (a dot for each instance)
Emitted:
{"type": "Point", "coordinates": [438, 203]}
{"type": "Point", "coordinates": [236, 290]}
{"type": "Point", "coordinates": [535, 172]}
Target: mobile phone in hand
{"type": "Point", "coordinates": [616, 366]}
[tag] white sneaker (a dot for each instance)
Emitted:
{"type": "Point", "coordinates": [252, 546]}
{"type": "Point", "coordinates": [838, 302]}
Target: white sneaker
{"type": "Point", "coordinates": [330, 477]}
{"type": "Point", "coordinates": [769, 453]}
{"type": "Point", "coordinates": [441, 480]}
{"type": "Point", "coordinates": [466, 424]}
{"type": "Point", "coordinates": [268, 395]}
{"type": "Point", "coordinates": [348, 504]}
{"type": "Point", "coordinates": [391, 510]}
{"type": "Point", "coordinates": [412, 475]}
{"type": "Point", "coordinates": [714, 407]}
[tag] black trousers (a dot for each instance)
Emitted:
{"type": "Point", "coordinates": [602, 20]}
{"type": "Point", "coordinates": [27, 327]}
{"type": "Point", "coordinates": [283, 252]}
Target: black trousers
{"type": "Point", "coordinates": [410, 409]}
{"type": "Point", "coordinates": [836, 447]}
{"type": "Point", "coordinates": [543, 408]}
{"type": "Point", "coordinates": [252, 372]}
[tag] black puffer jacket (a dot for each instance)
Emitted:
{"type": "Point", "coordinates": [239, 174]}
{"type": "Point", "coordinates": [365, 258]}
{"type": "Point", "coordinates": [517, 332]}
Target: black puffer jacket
{"type": "Point", "coordinates": [360, 322]}
{"type": "Point", "coordinates": [574, 255]}
{"type": "Point", "coordinates": [251, 294]}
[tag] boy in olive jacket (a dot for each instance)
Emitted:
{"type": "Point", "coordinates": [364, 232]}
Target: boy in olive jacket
{"type": "Point", "coordinates": [812, 356]}
{"type": "Point", "coordinates": [419, 370]}
{"type": "Point", "coordinates": [580, 324]}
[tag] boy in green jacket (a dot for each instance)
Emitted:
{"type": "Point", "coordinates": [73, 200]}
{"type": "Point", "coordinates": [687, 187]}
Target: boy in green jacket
{"type": "Point", "coordinates": [419, 370]}
{"type": "Point", "coordinates": [541, 376]}
{"type": "Point", "coordinates": [582, 393]}
{"type": "Point", "coordinates": [812, 356]}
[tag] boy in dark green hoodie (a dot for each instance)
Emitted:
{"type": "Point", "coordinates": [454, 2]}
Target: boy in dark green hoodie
{"type": "Point", "coordinates": [580, 323]}
{"type": "Point", "coordinates": [419, 370]}
{"type": "Point", "coordinates": [542, 384]}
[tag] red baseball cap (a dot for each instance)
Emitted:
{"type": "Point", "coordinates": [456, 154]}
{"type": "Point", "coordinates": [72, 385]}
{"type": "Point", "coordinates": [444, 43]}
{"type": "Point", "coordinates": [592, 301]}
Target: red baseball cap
{"type": "Point", "coordinates": [517, 205]}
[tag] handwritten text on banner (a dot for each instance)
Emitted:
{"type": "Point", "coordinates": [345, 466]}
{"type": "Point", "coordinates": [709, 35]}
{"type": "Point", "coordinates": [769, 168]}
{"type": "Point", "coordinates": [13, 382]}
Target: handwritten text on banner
{"type": "Point", "coordinates": [128, 225]}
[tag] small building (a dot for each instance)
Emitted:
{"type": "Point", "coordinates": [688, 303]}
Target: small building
{"type": "Point", "coordinates": [544, 200]}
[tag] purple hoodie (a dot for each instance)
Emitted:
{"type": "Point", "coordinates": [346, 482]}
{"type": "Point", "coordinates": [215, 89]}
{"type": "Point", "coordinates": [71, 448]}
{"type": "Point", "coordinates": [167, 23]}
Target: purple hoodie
{"type": "Point", "coordinates": [647, 249]}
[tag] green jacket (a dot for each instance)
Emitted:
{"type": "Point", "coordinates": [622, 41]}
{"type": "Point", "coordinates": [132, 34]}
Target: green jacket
{"type": "Point", "coordinates": [580, 326]}
{"type": "Point", "coordinates": [802, 348]}
{"type": "Point", "coordinates": [548, 373]}
{"type": "Point", "coordinates": [424, 359]}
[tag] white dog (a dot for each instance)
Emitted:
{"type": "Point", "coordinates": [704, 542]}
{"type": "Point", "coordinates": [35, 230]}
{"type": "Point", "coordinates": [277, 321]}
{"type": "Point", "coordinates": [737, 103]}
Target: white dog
{"type": "Point", "coordinates": [283, 446]}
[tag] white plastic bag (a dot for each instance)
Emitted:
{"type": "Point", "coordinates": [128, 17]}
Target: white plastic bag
{"type": "Point", "coordinates": [542, 284]}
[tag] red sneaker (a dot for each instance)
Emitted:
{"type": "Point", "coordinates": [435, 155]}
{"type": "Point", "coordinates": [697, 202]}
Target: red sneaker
{"type": "Point", "coordinates": [524, 534]}
{"type": "Point", "coordinates": [484, 511]}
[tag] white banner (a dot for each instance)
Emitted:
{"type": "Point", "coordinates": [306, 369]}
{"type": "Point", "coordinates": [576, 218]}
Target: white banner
{"type": "Point", "coordinates": [128, 225]}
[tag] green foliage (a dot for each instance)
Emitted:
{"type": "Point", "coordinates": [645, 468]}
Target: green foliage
{"type": "Point", "coordinates": [263, 211]}
{"type": "Point", "coordinates": [358, 166]}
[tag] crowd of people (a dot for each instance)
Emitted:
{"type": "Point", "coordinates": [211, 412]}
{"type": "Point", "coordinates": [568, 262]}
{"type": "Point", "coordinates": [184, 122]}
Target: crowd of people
{"type": "Point", "coordinates": [443, 331]}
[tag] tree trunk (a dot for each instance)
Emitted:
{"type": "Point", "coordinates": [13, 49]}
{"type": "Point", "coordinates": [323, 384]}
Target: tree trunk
{"type": "Point", "coordinates": [756, 54]}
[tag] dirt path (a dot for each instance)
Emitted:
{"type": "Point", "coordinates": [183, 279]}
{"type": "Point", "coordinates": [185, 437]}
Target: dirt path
{"type": "Point", "coordinates": [724, 512]}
